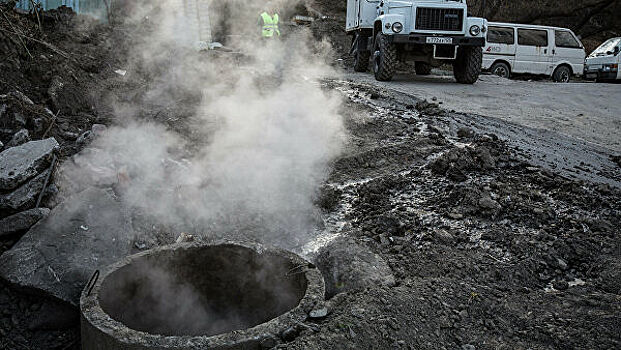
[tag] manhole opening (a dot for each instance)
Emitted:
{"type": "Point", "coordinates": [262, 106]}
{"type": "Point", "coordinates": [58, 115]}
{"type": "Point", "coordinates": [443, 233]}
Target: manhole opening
{"type": "Point", "coordinates": [202, 290]}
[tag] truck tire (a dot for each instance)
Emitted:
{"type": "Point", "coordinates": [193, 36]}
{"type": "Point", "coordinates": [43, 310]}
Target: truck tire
{"type": "Point", "coordinates": [361, 60]}
{"type": "Point", "coordinates": [501, 69]}
{"type": "Point", "coordinates": [422, 68]}
{"type": "Point", "coordinates": [467, 66]}
{"type": "Point", "coordinates": [561, 74]}
{"type": "Point", "coordinates": [384, 58]}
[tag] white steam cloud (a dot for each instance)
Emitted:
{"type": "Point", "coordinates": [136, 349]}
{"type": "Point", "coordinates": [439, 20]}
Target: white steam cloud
{"type": "Point", "coordinates": [215, 143]}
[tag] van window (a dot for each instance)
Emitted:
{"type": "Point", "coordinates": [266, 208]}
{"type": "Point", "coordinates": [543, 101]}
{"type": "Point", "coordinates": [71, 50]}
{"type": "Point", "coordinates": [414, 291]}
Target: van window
{"type": "Point", "coordinates": [565, 39]}
{"type": "Point", "coordinates": [532, 37]}
{"type": "Point", "coordinates": [501, 35]}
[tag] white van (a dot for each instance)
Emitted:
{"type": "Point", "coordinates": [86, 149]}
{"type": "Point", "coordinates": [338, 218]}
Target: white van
{"type": "Point", "coordinates": [603, 63]}
{"type": "Point", "coordinates": [520, 48]}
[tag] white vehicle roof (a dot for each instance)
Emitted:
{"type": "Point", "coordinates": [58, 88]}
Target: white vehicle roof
{"type": "Point", "coordinates": [525, 26]}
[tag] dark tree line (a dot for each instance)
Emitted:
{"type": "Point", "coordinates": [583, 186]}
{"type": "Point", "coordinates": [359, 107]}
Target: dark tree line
{"type": "Point", "coordinates": [593, 20]}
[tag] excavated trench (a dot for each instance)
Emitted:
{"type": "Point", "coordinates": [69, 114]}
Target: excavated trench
{"type": "Point", "coordinates": [186, 296]}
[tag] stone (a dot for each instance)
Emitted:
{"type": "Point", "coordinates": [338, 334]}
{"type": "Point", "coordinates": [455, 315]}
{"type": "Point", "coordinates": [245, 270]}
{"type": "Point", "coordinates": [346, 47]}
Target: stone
{"type": "Point", "coordinates": [289, 334]}
{"type": "Point", "coordinates": [22, 221]}
{"type": "Point", "coordinates": [347, 265]}
{"type": "Point", "coordinates": [318, 313]}
{"type": "Point", "coordinates": [19, 138]}
{"type": "Point", "coordinates": [21, 97]}
{"type": "Point", "coordinates": [487, 203]}
{"type": "Point", "coordinates": [26, 195]}
{"type": "Point", "coordinates": [57, 258]}
{"type": "Point", "coordinates": [21, 163]}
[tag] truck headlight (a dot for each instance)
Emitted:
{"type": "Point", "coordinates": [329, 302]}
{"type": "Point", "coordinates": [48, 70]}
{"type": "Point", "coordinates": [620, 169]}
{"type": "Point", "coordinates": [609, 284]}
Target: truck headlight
{"type": "Point", "coordinates": [475, 30]}
{"type": "Point", "coordinates": [397, 27]}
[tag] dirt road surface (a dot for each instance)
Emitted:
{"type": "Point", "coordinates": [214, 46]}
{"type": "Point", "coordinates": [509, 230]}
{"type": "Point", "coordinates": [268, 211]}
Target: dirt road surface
{"type": "Point", "coordinates": [585, 111]}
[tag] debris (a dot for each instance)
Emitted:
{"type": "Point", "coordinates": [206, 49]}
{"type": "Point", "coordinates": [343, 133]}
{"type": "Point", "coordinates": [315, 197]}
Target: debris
{"type": "Point", "coordinates": [18, 164]}
{"type": "Point", "coordinates": [121, 72]}
{"type": "Point", "coordinates": [184, 237]}
{"type": "Point", "coordinates": [215, 45]}
{"type": "Point", "coordinates": [26, 195]}
{"type": "Point", "coordinates": [22, 221]}
{"type": "Point", "coordinates": [319, 313]}
{"type": "Point", "coordinates": [72, 255]}
{"type": "Point", "coordinates": [84, 228]}
{"type": "Point", "coordinates": [349, 266]}
{"type": "Point", "coordinates": [19, 138]}
{"type": "Point", "coordinates": [289, 334]}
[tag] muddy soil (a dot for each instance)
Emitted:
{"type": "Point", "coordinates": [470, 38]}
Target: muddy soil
{"type": "Point", "coordinates": [489, 251]}
{"type": "Point", "coordinates": [493, 242]}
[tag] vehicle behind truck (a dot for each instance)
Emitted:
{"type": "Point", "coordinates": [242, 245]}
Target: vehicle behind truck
{"type": "Point", "coordinates": [513, 49]}
{"type": "Point", "coordinates": [603, 63]}
{"type": "Point", "coordinates": [428, 33]}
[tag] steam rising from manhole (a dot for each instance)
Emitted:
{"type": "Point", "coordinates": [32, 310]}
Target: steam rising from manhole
{"type": "Point", "coordinates": [222, 295]}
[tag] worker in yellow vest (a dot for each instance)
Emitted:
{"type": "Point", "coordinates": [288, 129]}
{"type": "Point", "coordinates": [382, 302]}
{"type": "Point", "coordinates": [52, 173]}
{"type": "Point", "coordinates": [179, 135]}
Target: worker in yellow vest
{"type": "Point", "coordinates": [269, 25]}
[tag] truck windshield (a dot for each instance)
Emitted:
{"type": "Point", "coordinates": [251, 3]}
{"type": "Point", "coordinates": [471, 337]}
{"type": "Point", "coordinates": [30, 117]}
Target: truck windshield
{"type": "Point", "coordinates": [606, 48]}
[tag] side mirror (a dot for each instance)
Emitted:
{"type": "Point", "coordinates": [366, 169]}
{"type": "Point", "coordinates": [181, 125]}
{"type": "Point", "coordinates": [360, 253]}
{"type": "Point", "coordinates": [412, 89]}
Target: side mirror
{"type": "Point", "coordinates": [616, 50]}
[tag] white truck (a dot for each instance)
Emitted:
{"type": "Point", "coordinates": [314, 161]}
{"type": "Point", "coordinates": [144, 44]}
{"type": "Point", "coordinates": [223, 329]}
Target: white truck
{"type": "Point", "coordinates": [603, 63]}
{"type": "Point", "coordinates": [513, 49]}
{"type": "Point", "coordinates": [426, 32]}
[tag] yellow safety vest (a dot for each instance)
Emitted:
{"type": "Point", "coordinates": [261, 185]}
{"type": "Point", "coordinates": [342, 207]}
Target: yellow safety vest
{"type": "Point", "coordinates": [270, 25]}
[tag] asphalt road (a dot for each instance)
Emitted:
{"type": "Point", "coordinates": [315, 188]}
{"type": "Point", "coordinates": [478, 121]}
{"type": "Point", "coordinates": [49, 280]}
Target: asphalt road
{"type": "Point", "coordinates": [586, 111]}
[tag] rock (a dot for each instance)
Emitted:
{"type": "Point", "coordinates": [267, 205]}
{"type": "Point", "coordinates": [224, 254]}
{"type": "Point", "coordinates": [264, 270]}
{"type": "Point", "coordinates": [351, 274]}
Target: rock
{"type": "Point", "coordinates": [611, 277]}
{"type": "Point", "coordinates": [56, 257]}
{"type": "Point", "coordinates": [22, 221]}
{"type": "Point", "coordinates": [319, 312]}
{"type": "Point", "coordinates": [1, 145]}
{"type": "Point", "coordinates": [85, 138]}
{"type": "Point", "coordinates": [465, 133]}
{"type": "Point", "coordinates": [26, 195]}
{"type": "Point", "coordinates": [347, 265]}
{"type": "Point", "coordinates": [468, 347]}
{"type": "Point", "coordinates": [19, 138]}
{"type": "Point", "coordinates": [560, 285]}
{"type": "Point", "coordinates": [18, 95]}
{"type": "Point", "coordinates": [91, 167]}
{"type": "Point", "coordinates": [268, 342]}
{"type": "Point", "coordinates": [487, 203]}
{"type": "Point", "coordinates": [289, 334]}
{"type": "Point", "coordinates": [18, 164]}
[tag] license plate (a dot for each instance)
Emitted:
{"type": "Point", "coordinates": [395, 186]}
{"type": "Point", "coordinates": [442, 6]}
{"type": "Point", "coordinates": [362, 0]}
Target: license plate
{"type": "Point", "coordinates": [439, 40]}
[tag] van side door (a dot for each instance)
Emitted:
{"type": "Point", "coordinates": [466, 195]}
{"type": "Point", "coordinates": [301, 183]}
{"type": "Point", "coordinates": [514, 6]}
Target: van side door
{"type": "Point", "coordinates": [533, 53]}
{"type": "Point", "coordinates": [500, 46]}
{"type": "Point", "coordinates": [568, 49]}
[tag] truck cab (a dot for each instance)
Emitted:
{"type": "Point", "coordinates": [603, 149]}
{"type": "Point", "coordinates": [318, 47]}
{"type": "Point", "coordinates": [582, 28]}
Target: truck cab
{"type": "Point", "coordinates": [427, 32]}
{"type": "Point", "coordinates": [603, 63]}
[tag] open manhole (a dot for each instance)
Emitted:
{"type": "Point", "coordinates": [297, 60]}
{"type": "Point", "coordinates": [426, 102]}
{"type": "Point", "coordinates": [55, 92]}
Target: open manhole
{"type": "Point", "coordinates": [193, 296]}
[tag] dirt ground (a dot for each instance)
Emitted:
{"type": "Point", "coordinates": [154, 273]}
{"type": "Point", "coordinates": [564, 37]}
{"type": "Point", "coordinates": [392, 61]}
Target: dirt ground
{"type": "Point", "coordinates": [582, 110]}
{"type": "Point", "coordinates": [499, 224]}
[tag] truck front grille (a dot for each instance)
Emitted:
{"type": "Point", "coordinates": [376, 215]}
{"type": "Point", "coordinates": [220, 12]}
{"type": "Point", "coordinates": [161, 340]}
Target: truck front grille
{"type": "Point", "coordinates": [430, 18]}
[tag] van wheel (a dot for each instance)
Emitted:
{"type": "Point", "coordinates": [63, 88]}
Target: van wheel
{"type": "Point", "coordinates": [384, 58]}
{"type": "Point", "coordinates": [422, 68]}
{"type": "Point", "coordinates": [501, 69]}
{"type": "Point", "coordinates": [562, 74]}
{"type": "Point", "coordinates": [467, 66]}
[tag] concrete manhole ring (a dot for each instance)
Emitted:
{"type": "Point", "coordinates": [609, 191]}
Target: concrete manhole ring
{"type": "Point", "coordinates": [199, 296]}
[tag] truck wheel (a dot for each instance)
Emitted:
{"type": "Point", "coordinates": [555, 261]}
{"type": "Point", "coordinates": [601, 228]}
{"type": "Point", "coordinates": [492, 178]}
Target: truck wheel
{"type": "Point", "coordinates": [561, 74]}
{"type": "Point", "coordinates": [384, 58]}
{"type": "Point", "coordinates": [361, 60]}
{"type": "Point", "coordinates": [501, 69]}
{"type": "Point", "coordinates": [467, 66]}
{"type": "Point", "coordinates": [422, 68]}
